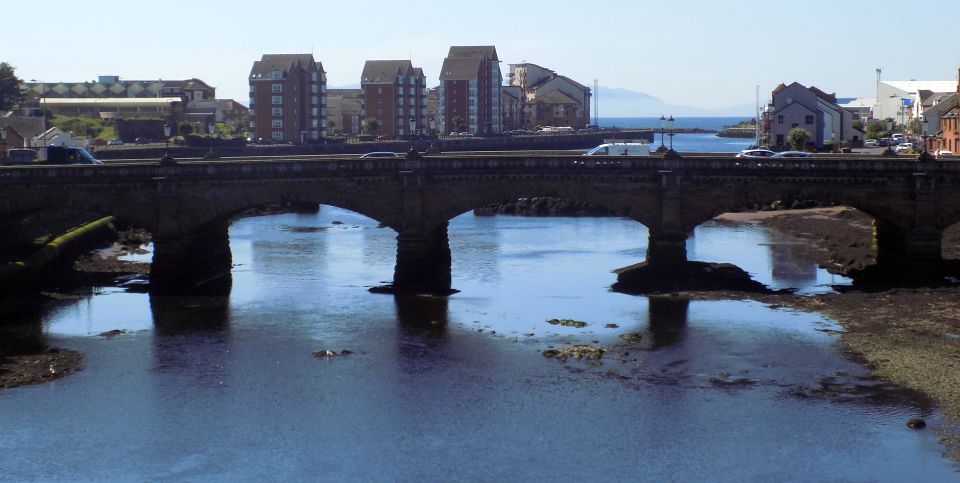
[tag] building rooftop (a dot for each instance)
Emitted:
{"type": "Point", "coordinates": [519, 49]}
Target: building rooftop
{"type": "Point", "coordinates": [268, 63]}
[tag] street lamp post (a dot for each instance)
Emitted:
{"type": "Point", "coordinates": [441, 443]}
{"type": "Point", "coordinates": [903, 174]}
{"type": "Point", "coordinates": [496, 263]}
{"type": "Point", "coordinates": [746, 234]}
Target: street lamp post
{"type": "Point", "coordinates": [3, 144]}
{"type": "Point", "coordinates": [167, 160]}
{"type": "Point", "coordinates": [671, 154]}
{"type": "Point", "coordinates": [670, 125]}
{"type": "Point", "coordinates": [663, 129]}
{"type": "Point", "coordinates": [211, 128]}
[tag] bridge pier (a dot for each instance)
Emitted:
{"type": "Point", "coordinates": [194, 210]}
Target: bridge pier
{"type": "Point", "coordinates": [192, 263]}
{"type": "Point", "coordinates": [423, 261]}
{"type": "Point", "coordinates": [667, 247]}
{"type": "Point", "coordinates": [668, 240]}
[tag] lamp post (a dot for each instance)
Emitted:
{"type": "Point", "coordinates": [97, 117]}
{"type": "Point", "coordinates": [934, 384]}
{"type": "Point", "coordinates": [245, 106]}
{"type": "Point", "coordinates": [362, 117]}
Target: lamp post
{"type": "Point", "coordinates": [670, 126]}
{"type": "Point", "coordinates": [663, 129]}
{"type": "Point", "coordinates": [211, 128]}
{"type": "Point", "coordinates": [670, 154]}
{"type": "Point", "coordinates": [3, 144]}
{"type": "Point", "coordinates": [167, 160]}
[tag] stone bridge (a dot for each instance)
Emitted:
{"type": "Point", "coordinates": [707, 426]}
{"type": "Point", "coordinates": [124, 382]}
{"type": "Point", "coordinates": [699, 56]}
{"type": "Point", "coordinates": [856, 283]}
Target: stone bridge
{"type": "Point", "coordinates": [189, 206]}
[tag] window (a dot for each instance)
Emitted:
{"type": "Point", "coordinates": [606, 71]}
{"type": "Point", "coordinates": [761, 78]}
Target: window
{"type": "Point", "coordinates": [276, 123]}
{"type": "Point", "coordinates": [779, 119]}
{"type": "Point", "coordinates": [276, 88]}
{"type": "Point", "coordinates": [277, 135]}
{"type": "Point", "coordinates": [276, 100]}
{"type": "Point", "coordinates": [276, 111]}
{"type": "Point", "coordinates": [808, 119]}
{"type": "Point", "coordinates": [276, 75]}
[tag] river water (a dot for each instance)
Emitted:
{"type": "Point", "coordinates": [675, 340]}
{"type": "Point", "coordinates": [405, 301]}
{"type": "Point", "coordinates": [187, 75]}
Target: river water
{"type": "Point", "coordinates": [443, 389]}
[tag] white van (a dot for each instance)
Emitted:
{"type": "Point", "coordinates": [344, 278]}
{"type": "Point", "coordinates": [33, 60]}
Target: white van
{"type": "Point", "coordinates": [620, 149]}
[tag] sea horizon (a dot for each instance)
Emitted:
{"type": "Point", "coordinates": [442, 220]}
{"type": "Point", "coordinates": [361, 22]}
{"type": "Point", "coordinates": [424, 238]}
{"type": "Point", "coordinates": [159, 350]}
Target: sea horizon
{"type": "Point", "coordinates": [714, 123]}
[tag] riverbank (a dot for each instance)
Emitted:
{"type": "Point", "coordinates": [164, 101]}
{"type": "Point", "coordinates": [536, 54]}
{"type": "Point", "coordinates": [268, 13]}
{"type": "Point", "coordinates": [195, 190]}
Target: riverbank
{"type": "Point", "coordinates": [910, 337]}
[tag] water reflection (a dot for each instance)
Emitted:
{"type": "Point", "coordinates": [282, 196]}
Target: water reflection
{"type": "Point", "coordinates": [178, 315]}
{"type": "Point", "coordinates": [667, 320]}
{"type": "Point", "coordinates": [422, 326]}
{"type": "Point", "coordinates": [191, 337]}
{"type": "Point", "coordinates": [791, 266]}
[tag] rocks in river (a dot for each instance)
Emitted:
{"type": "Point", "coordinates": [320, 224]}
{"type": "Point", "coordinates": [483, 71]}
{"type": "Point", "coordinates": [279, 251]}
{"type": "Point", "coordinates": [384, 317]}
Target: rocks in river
{"type": "Point", "coordinates": [916, 423]}
{"type": "Point", "coordinates": [112, 333]}
{"type": "Point", "coordinates": [577, 352]}
{"type": "Point", "coordinates": [612, 326]}
{"type": "Point", "coordinates": [631, 337]}
{"type": "Point", "coordinates": [567, 323]}
{"type": "Point", "coordinates": [328, 353]}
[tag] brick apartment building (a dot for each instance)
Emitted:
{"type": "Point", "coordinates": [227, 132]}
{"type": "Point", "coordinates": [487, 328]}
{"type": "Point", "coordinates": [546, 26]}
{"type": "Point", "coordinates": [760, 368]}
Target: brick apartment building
{"type": "Point", "coordinates": [288, 98]}
{"type": "Point", "coordinates": [470, 90]}
{"type": "Point", "coordinates": [395, 94]}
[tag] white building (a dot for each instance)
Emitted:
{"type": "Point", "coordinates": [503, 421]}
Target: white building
{"type": "Point", "coordinates": [898, 100]}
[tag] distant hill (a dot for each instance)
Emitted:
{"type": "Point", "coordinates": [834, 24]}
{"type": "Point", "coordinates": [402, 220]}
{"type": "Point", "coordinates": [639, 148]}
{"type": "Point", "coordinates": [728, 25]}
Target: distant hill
{"type": "Point", "coordinates": [626, 103]}
{"type": "Point", "coordinates": [616, 102]}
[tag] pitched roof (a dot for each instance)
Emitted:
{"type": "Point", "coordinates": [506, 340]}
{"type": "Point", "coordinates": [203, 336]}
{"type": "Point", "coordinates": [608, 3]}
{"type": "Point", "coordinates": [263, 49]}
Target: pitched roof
{"type": "Point", "coordinates": [831, 98]}
{"type": "Point", "coordinates": [460, 68]}
{"type": "Point", "coordinates": [488, 51]}
{"type": "Point", "coordinates": [513, 91]}
{"type": "Point", "coordinates": [284, 63]}
{"type": "Point", "coordinates": [345, 93]}
{"type": "Point", "coordinates": [555, 97]}
{"type": "Point", "coordinates": [385, 71]}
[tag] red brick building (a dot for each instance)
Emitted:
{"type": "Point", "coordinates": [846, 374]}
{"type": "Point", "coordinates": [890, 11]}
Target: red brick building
{"type": "Point", "coordinates": [288, 98]}
{"type": "Point", "coordinates": [470, 91]}
{"type": "Point", "coordinates": [394, 92]}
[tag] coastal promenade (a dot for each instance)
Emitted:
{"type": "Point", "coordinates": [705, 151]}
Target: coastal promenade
{"type": "Point", "coordinates": [189, 206]}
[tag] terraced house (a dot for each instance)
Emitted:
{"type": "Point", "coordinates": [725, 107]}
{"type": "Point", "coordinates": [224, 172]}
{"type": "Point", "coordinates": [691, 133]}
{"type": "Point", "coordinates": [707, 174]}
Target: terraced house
{"type": "Point", "coordinates": [288, 98]}
{"type": "Point", "coordinates": [395, 95]}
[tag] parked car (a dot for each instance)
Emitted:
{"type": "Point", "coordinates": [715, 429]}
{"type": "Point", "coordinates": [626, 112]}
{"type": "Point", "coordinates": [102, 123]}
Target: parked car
{"type": "Point", "coordinates": [903, 147]}
{"type": "Point", "coordinates": [792, 154]}
{"type": "Point", "coordinates": [97, 142]}
{"type": "Point", "coordinates": [115, 142]}
{"type": "Point", "coordinates": [755, 153]}
{"type": "Point", "coordinates": [620, 149]}
{"type": "Point", "coordinates": [381, 154]}
{"type": "Point", "coordinates": [944, 154]}
{"type": "Point", "coordinates": [871, 143]}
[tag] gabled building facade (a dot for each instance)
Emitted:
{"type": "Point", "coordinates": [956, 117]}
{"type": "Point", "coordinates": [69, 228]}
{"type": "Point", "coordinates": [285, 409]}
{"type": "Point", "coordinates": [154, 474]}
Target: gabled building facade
{"type": "Point", "coordinates": [288, 98]}
{"type": "Point", "coordinates": [550, 99]}
{"type": "Point", "coordinates": [344, 112]}
{"type": "Point", "coordinates": [813, 110]}
{"type": "Point", "coordinates": [394, 92]}
{"type": "Point", "coordinates": [470, 91]}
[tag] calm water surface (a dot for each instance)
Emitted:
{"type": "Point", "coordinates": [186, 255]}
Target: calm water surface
{"type": "Point", "coordinates": [227, 389]}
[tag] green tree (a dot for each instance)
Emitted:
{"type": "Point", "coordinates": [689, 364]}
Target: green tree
{"type": "Point", "coordinates": [10, 93]}
{"type": "Point", "coordinates": [185, 128]}
{"type": "Point", "coordinates": [798, 137]}
{"type": "Point", "coordinates": [877, 129]}
{"type": "Point", "coordinates": [371, 125]}
{"type": "Point", "coordinates": [459, 124]}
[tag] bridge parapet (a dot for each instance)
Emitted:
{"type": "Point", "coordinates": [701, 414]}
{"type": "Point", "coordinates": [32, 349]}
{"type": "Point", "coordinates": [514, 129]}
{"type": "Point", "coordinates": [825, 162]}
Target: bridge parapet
{"type": "Point", "coordinates": [328, 167]}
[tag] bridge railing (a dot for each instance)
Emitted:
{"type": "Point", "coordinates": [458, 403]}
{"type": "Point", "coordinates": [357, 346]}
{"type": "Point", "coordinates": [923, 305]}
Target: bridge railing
{"type": "Point", "coordinates": [331, 167]}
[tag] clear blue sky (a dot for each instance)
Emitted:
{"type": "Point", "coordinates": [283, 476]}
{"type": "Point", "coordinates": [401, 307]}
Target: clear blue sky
{"type": "Point", "coordinates": [686, 52]}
